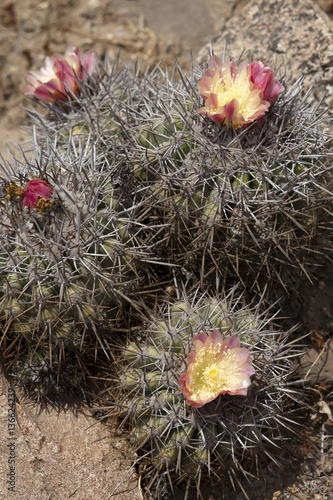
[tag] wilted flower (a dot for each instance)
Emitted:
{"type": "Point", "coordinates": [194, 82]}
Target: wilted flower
{"type": "Point", "coordinates": [218, 365]}
{"type": "Point", "coordinates": [36, 189]}
{"type": "Point", "coordinates": [12, 191]}
{"type": "Point", "coordinates": [237, 95]}
{"type": "Point", "coordinates": [58, 80]}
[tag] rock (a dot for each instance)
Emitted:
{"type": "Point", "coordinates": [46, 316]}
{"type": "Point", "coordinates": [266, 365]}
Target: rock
{"type": "Point", "coordinates": [317, 364]}
{"type": "Point", "coordinates": [58, 455]}
{"type": "Point", "coordinates": [295, 33]}
{"type": "Point", "coordinates": [326, 5]}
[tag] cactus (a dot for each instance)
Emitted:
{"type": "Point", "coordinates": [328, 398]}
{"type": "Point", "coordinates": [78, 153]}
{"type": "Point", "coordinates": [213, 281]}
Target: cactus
{"type": "Point", "coordinates": [71, 260]}
{"type": "Point", "coordinates": [229, 434]}
{"type": "Point", "coordinates": [143, 182]}
{"type": "Point", "coordinates": [246, 203]}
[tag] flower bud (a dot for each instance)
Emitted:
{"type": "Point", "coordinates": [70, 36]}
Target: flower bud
{"type": "Point", "coordinates": [36, 189]}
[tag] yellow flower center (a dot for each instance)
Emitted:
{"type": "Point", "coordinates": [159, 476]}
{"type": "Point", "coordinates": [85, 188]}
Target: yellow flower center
{"type": "Point", "coordinates": [214, 371]}
{"type": "Point", "coordinates": [228, 88]}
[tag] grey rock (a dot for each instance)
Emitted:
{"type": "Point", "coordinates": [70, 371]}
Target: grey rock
{"type": "Point", "coordinates": [317, 365]}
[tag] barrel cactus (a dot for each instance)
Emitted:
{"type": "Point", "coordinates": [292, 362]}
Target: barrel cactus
{"type": "Point", "coordinates": [71, 258]}
{"type": "Point", "coordinates": [238, 187]}
{"type": "Point", "coordinates": [242, 199]}
{"type": "Point", "coordinates": [212, 411]}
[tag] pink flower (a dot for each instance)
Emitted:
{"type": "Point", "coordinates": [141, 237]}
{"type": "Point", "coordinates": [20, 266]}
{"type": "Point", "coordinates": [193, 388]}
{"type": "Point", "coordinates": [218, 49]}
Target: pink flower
{"type": "Point", "coordinates": [58, 80]}
{"type": "Point", "coordinates": [218, 365]}
{"type": "Point", "coordinates": [263, 77]}
{"type": "Point", "coordinates": [237, 95]}
{"type": "Point", "coordinates": [36, 189]}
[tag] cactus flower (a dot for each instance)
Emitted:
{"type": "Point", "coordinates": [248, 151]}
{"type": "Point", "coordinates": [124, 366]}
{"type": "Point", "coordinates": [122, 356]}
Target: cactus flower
{"type": "Point", "coordinates": [218, 365]}
{"type": "Point", "coordinates": [36, 189]}
{"type": "Point", "coordinates": [237, 95]}
{"type": "Point", "coordinates": [58, 80]}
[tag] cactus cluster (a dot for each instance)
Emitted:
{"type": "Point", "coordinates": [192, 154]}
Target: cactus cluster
{"type": "Point", "coordinates": [133, 188]}
{"type": "Point", "coordinates": [241, 203]}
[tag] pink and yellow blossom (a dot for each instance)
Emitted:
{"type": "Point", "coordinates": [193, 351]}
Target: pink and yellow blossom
{"type": "Point", "coordinates": [34, 190]}
{"type": "Point", "coordinates": [218, 365]}
{"type": "Point", "coordinates": [58, 80]}
{"type": "Point", "coordinates": [237, 95]}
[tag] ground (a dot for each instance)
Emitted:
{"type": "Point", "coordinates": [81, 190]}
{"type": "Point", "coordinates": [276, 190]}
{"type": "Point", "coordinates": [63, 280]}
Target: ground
{"type": "Point", "coordinates": [156, 30]}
